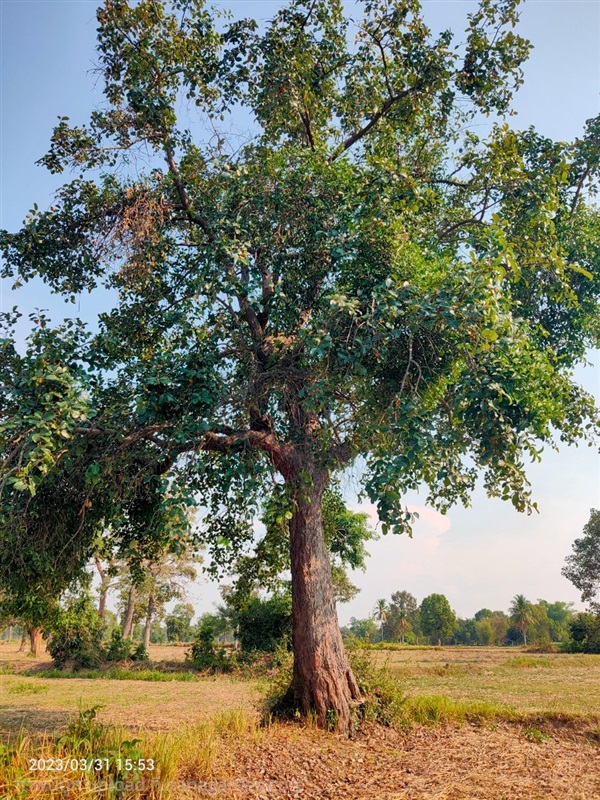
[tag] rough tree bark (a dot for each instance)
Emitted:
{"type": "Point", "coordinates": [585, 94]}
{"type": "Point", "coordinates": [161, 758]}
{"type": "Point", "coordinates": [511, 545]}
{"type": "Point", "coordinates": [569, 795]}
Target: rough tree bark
{"type": "Point", "coordinates": [129, 612]}
{"type": "Point", "coordinates": [35, 640]}
{"type": "Point", "coordinates": [148, 623]}
{"type": "Point", "coordinates": [323, 682]}
{"type": "Point", "coordinates": [103, 588]}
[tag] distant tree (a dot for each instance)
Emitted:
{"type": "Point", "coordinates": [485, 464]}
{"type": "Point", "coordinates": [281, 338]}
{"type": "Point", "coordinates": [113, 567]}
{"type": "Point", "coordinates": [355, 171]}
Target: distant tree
{"type": "Point", "coordinates": [401, 610]}
{"type": "Point", "coordinates": [485, 631]}
{"type": "Point", "coordinates": [500, 624]}
{"type": "Point", "coordinates": [582, 567]}
{"type": "Point", "coordinates": [380, 614]}
{"type": "Point", "coordinates": [466, 632]}
{"type": "Point", "coordinates": [521, 613]}
{"type": "Point", "coordinates": [179, 623]}
{"type": "Point", "coordinates": [265, 623]}
{"type": "Point", "coordinates": [106, 563]}
{"type": "Point", "coordinates": [147, 584]}
{"type": "Point", "coordinates": [560, 615]}
{"type": "Point", "coordinates": [363, 628]}
{"type": "Point", "coordinates": [585, 633]}
{"type": "Point", "coordinates": [437, 618]}
{"type": "Point", "coordinates": [483, 613]}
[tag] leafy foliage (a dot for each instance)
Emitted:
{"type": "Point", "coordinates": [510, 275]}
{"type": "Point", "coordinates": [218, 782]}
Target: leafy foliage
{"type": "Point", "coordinates": [265, 624]}
{"type": "Point", "coordinates": [203, 654]}
{"type": "Point", "coordinates": [582, 567]}
{"type": "Point", "coordinates": [585, 634]}
{"type": "Point", "coordinates": [366, 280]}
{"type": "Point", "coordinates": [436, 617]}
{"type": "Point", "coordinates": [77, 635]}
{"type": "Point", "coordinates": [120, 649]}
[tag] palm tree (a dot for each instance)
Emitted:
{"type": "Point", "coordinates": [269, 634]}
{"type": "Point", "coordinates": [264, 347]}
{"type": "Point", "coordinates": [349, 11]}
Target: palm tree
{"type": "Point", "coordinates": [380, 614]}
{"type": "Point", "coordinates": [521, 613]}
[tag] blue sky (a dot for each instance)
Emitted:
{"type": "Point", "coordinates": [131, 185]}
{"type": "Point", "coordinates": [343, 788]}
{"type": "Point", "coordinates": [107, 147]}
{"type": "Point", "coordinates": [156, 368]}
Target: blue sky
{"type": "Point", "coordinates": [478, 557]}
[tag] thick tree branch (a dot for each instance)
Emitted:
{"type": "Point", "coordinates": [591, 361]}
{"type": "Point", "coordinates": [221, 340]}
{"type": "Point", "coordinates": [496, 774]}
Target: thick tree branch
{"type": "Point", "coordinates": [579, 188]}
{"type": "Point", "coordinates": [385, 108]}
{"type": "Point", "coordinates": [193, 216]}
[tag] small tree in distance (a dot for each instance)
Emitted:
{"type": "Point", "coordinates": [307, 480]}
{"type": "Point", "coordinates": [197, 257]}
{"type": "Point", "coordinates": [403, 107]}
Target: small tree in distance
{"type": "Point", "coordinates": [380, 614]}
{"type": "Point", "coordinates": [437, 617]}
{"type": "Point", "coordinates": [402, 608]}
{"type": "Point", "coordinates": [522, 615]}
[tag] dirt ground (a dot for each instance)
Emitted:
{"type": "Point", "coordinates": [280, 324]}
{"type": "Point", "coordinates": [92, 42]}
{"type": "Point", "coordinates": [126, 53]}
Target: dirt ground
{"type": "Point", "coordinates": [442, 763]}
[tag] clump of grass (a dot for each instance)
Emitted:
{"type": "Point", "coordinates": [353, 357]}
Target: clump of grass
{"type": "Point", "coordinates": [27, 688]}
{"type": "Point", "coordinates": [118, 674]}
{"type": "Point", "coordinates": [536, 735]}
{"type": "Point", "coordinates": [440, 709]}
{"type": "Point", "coordinates": [528, 662]}
{"type": "Point", "coordinates": [384, 697]}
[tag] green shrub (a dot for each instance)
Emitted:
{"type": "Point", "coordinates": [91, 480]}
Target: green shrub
{"type": "Point", "coordinates": [265, 624]}
{"type": "Point", "coordinates": [203, 654]}
{"type": "Point", "coordinates": [77, 635]}
{"type": "Point", "coordinates": [120, 649]}
{"type": "Point", "coordinates": [584, 634]}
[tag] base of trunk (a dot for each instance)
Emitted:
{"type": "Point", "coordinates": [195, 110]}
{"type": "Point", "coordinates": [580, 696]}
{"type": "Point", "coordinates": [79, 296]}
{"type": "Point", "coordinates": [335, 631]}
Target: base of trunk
{"type": "Point", "coordinates": [328, 699]}
{"type": "Point", "coordinates": [35, 641]}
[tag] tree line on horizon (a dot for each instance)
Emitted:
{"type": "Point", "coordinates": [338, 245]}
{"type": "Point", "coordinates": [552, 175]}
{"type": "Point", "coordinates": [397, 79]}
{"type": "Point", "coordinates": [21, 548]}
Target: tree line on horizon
{"type": "Point", "coordinates": [402, 620]}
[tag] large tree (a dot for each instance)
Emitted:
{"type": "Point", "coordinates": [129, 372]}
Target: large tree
{"type": "Point", "coordinates": [358, 276]}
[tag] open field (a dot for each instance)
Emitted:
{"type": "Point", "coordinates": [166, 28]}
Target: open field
{"type": "Point", "coordinates": [207, 742]}
{"type": "Point", "coordinates": [529, 683]}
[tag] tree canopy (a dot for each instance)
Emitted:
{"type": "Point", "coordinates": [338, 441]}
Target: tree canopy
{"type": "Point", "coordinates": [582, 566]}
{"type": "Point", "coordinates": [360, 277]}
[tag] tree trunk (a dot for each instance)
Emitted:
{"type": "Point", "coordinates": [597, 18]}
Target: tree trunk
{"type": "Point", "coordinates": [10, 633]}
{"type": "Point", "coordinates": [148, 623]}
{"type": "Point", "coordinates": [129, 612]}
{"type": "Point", "coordinates": [323, 682]}
{"type": "Point", "coordinates": [103, 588]}
{"type": "Point", "coordinates": [24, 638]}
{"type": "Point", "coordinates": [35, 640]}
{"type": "Point", "coordinates": [102, 605]}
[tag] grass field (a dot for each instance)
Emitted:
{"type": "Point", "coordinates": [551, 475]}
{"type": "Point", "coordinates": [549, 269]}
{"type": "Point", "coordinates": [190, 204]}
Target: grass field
{"type": "Point", "coordinates": [530, 683]}
{"type": "Point", "coordinates": [517, 726]}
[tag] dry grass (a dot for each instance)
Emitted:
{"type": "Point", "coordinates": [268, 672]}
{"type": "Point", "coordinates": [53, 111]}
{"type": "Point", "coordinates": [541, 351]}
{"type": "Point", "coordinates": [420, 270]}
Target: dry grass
{"type": "Point", "coordinates": [552, 683]}
{"type": "Point", "coordinates": [206, 740]}
{"type": "Point", "coordinates": [39, 704]}
{"type": "Point", "coordinates": [230, 757]}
